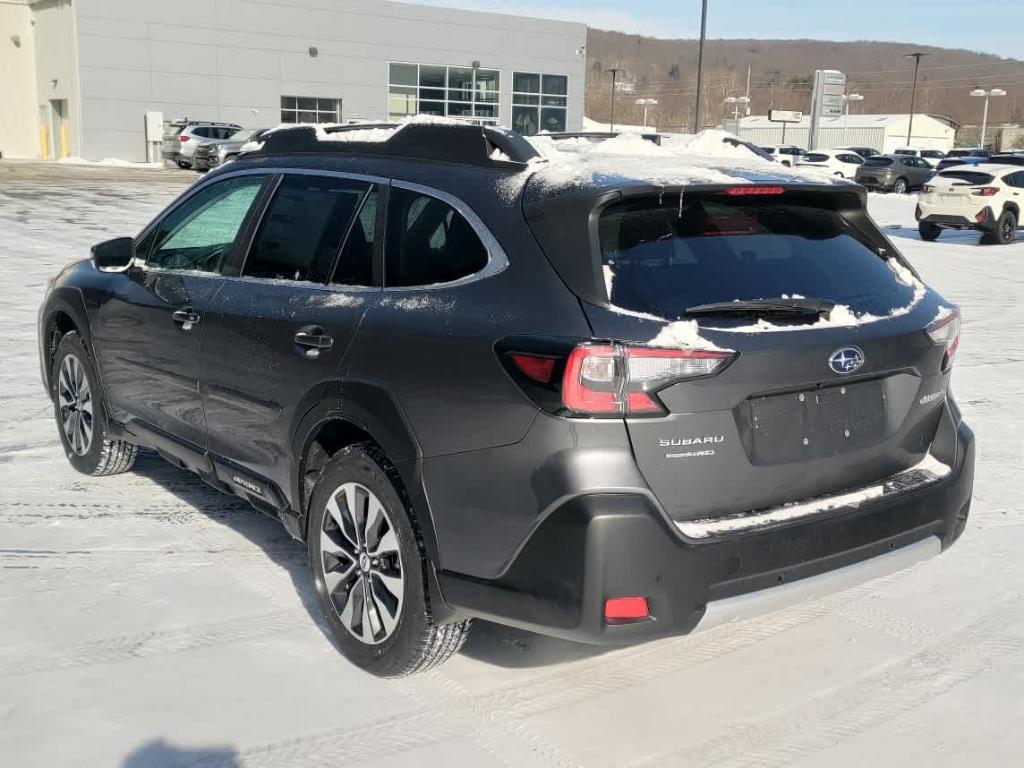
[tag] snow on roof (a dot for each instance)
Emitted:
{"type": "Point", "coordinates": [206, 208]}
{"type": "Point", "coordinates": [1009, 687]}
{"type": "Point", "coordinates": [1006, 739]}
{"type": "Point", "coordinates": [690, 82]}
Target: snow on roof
{"type": "Point", "coordinates": [681, 160]}
{"type": "Point", "coordinates": [369, 135]}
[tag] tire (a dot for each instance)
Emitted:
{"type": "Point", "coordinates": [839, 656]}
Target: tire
{"type": "Point", "coordinates": [80, 415]}
{"type": "Point", "coordinates": [929, 231]}
{"type": "Point", "coordinates": [387, 631]}
{"type": "Point", "coordinates": [1006, 228]}
{"type": "Point", "coordinates": [183, 165]}
{"type": "Point", "coordinates": [900, 186]}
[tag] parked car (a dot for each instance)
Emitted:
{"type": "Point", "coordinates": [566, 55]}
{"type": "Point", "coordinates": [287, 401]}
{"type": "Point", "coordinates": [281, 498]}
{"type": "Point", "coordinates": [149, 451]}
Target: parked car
{"type": "Point", "coordinates": [787, 154]}
{"type": "Point", "coordinates": [950, 162]}
{"type": "Point", "coordinates": [477, 385]}
{"type": "Point", "coordinates": [839, 162]}
{"type": "Point", "coordinates": [986, 197]}
{"type": "Point", "coordinates": [969, 152]}
{"type": "Point", "coordinates": [864, 152]}
{"type": "Point", "coordinates": [1007, 159]}
{"type": "Point", "coordinates": [894, 173]}
{"type": "Point", "coordinates": [928, 154]}
{"type": "Point", "coordinates": [210, 154]}
{"type": "Point", "coordinates": [182, 138]}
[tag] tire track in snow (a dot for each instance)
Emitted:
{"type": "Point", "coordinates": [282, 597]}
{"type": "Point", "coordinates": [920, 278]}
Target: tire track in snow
{"type": "Point", "coordinates": [876, 698]}
{"type": "Point", "coordinates": [26, 661]}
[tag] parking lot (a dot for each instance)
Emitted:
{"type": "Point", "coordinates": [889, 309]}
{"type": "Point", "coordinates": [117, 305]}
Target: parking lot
{"type": "Point", "coordinates": [149, 621]}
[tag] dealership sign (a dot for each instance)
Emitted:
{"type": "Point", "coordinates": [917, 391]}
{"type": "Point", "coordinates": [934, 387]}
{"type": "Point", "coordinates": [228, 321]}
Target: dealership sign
{"type": "Point", "coordinates": [784, 116]}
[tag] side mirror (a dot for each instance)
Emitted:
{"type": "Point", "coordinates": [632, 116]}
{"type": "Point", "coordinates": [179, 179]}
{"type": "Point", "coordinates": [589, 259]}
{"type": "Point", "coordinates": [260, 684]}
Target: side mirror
{"type": "Point", "coordinates": [113, 255]}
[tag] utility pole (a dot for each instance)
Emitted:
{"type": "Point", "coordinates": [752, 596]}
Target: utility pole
{"type": "Point", "coordinates": [916, 56]}
{"type": "Point", "coordinates": [748, 89]}
{"type": "Point", "coordinates": [615, 71]}
{"type": "Point", "coordinates": [700, 64]}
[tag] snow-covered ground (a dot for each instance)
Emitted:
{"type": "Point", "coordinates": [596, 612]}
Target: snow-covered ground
{"type": "Point", "coordinates": [146, 620]}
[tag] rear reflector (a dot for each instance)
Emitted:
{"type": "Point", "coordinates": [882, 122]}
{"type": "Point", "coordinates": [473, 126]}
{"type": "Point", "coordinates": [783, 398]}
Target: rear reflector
{"type": "Point", "coordinates": [619, 379]}
{"type": "Point", "coordinates": [625, 609]}
{"type": "Point", "coordinates": [946, 331]}
{"type": "Point", "coordinates": [535, 367]}
{"type": "Point", "coordinates": [751, 190]}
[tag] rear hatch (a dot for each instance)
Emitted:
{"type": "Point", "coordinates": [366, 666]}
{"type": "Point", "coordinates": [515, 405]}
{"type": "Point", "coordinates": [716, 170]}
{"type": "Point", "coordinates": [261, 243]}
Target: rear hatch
{"type": "Point", "coordinates": [960, 190]}
{"type": "Point", "coordinates": [873, 169]}
{"type": "Point", "coordinates": [171, 143]}
{"type": "Point", "coordinates": [814, 400]}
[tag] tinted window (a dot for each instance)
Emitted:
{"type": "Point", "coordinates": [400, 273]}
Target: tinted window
{"type": "Point", "coordinates": [905, 152]}
{"type": "Point", "coordinates": [855, 159]}
{"type": "Point", "coordinates": [428, 242]}
{"type": "Point", "coordinates": [878, 162]}
{"type": "Point", "coordinates": [968, 176]}
{"type": "Point", "coordinates": [198, 234]}
{"type": "Point", "coordinates": [355, 267]}
{"type": "Point", "coordinates": [303, 227]}
{"type": "Point", "coordinates": [719, 250]}
{"type": "Point", "coordinates": [816, 158]}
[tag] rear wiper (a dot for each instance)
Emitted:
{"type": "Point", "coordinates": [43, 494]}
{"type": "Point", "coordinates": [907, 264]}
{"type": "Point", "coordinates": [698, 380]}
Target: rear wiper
{"type": "Point", "coordinates": [783, 307]}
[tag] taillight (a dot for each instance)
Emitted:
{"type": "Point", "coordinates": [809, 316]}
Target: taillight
{"type": "Point", "coordinates": [753, 190]}
{"type": "Point", "coordinates": [946, 331]}
{"type": "Point", "coordinates": [183, 139]}
{"type": "Point", "coordinates": [618, 610]}
{"type": "Point", "coordinates": [539, 368]}
{"type": "Point", "coordinates": [616, 379]}
{"type": "Point", "coordinates": [984, 191]}
{"type": "Point", "coordinates": [928, 188]}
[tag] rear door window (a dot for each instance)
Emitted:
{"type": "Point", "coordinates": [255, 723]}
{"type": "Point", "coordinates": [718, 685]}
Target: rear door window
{"type": "Point", "coordinates": [658, 261]}
{"type": "Point", "coordinates": [428, 242]}
{"type": "Point", "coordinates": [816, 158]}
{"type": "Point", "coordinates": [303, 227]}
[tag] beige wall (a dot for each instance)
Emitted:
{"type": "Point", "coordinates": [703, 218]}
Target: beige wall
{"type": "Point", "coordinates": [57, 63]}
{"type": "Point", "coordinates": [19, 122]}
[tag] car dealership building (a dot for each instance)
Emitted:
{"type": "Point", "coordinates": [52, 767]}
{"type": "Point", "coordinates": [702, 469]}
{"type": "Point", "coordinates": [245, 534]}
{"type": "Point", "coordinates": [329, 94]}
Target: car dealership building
{"type": "Point", "coordinates": [80, 75]}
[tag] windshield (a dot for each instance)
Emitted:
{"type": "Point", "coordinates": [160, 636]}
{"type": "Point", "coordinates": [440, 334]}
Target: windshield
{"type": "Point", "coordinates": [660, 259]}
{"type": "Point", "coordinates": [878, 162]}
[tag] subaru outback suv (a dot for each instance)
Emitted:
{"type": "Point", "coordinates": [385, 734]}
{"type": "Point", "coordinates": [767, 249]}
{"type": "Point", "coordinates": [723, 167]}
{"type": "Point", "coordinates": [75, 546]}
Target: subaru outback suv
{"type": "Point", "coordinates": [606, 399]}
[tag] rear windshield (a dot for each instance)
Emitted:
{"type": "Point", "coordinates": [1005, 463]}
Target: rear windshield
{"type": "Point", "coordinates": [173, 130]}
{"type": "Point", "coordinates": [878, 161]}
{"type": "Point", "coordinates": [816, 158]}
{"type": "Point", "coordinates": [968, 176]}
{"type": "Point", "coordinates": [661, 259]}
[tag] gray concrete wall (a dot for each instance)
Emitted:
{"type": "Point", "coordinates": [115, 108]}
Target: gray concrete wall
{"type": "Point", "coordinates": [19, 135]}
{"type": "Point", "coordinates": [223, 59]}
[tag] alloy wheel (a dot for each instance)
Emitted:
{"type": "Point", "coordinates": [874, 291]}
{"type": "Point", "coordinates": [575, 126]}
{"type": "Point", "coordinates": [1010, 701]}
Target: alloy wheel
{"type": "Point", "coordinates": [361, 564]}
{"type": "Point", "coordinates": [74, 400]}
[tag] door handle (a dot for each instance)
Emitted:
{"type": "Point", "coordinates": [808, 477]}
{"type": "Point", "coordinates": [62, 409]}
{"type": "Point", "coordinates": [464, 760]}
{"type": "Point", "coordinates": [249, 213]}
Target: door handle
{"type": "Point", "coordinates": [187, 318]}
{"type": "Point", "coordinates": [313, 340]}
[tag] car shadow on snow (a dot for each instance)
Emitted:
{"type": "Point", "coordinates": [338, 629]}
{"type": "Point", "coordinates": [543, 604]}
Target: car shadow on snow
{"type": "Point", "coordinates": [160, 754]}
{"type": "Point", "coordinates": [948, 236]}
{"type": "Point", "coordinates": [487, 642]}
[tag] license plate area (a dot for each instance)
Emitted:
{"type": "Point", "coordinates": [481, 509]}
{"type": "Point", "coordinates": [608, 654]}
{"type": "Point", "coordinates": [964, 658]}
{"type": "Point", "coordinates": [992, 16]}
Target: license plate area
{"type": "Point", "coordinates": [814, 423]}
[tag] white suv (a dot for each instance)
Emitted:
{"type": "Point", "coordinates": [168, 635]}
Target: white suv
{"type": "Point", "coordinates": [986, 197]}
{"type": "Point", "coordinates": [839, 162]}
{"type": "Point", "coordinates": [787, 154]}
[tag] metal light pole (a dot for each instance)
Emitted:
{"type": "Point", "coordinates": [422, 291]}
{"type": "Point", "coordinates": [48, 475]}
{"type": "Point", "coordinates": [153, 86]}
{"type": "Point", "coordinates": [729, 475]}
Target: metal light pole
{"type": "Point", "coordinates": [645, 103]}
{"type": "Point", "coordinates": [615, 71]}
{"type": "Point", "coordinates": [700, 64]}
{"type": "Point", "coordinates": [916, 56]}
{"type": "Point", "coordinates": [847, 98]}
{"type": "Point", "coordinates": [984, 115]}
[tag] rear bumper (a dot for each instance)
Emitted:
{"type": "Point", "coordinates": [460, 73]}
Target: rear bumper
{"type": "Point", "coordinates": [598, 546]}
{"type": "Point", "coordinates": [960, 219]}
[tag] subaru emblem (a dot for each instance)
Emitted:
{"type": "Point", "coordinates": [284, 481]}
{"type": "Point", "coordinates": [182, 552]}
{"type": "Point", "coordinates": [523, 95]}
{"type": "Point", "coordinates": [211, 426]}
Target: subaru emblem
{"type": "Point", "coordinates": [846, 360]}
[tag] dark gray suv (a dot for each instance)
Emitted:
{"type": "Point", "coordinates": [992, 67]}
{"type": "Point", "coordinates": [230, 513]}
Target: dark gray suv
{"type": "Point", "coordinates": [557, 396]}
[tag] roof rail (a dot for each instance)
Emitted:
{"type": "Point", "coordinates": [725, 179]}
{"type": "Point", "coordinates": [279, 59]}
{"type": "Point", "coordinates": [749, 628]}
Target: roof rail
{"type": "Point", "coordinates": [465, 144]}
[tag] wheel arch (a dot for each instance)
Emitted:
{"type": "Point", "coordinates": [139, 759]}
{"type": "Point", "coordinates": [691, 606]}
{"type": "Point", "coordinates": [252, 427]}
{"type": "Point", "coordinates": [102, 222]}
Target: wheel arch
{"type": "Point", "coordinates": [1010, 205]}
{"type": "Point", "coordinates": [64, 313]}
{"type": "Point", "coordinates": [350, 413]}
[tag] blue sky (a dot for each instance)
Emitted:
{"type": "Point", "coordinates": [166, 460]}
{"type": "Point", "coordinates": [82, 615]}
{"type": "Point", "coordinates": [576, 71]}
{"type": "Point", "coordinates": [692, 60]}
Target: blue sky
{"type": "Point", "coordinates": [987, 26]}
